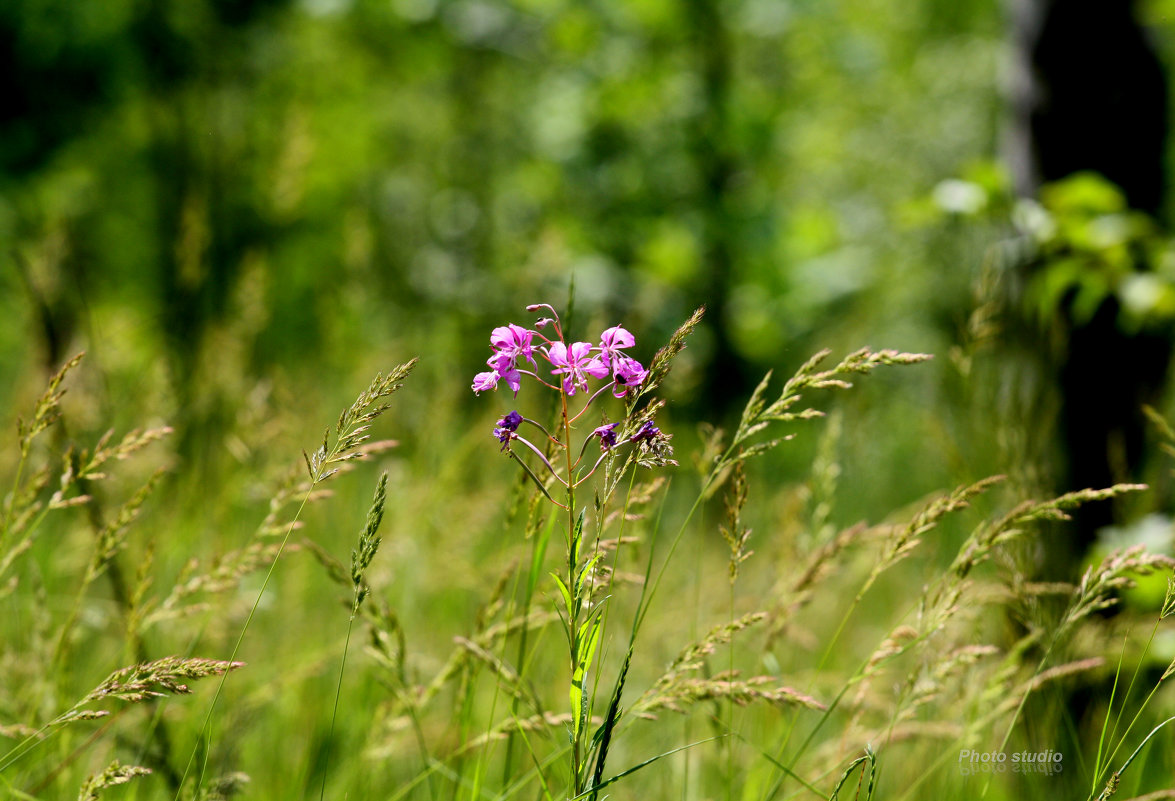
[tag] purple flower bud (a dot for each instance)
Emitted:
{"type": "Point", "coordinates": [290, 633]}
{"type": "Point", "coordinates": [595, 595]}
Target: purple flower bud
{"type": "Point", "coordinates": [648, 432]}
{"type": "Point", "coordinates": [607, 435]}
{"type": "Point", "coordinates": [511, 421]}
{"type": "Point", "coordinates": [506, 428]}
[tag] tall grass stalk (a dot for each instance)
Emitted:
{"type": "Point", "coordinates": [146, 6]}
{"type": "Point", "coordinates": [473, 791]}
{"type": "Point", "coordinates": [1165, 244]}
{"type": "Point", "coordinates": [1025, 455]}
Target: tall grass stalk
{"type": "Point", "coordinates": [351, 432]}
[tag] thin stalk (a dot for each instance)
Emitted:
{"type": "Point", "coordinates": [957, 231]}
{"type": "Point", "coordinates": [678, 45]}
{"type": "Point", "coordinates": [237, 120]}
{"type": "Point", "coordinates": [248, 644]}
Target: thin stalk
{"type": "Point", "coordinates": [479, 764]}
{"type": "Point", "coordinates": [10, 506]}
{"type": "Point", "coordinates": [573, 610]}
{"type": "Point", "coordinates": [1101, 740]}
{"type": "Point", "coordinates": [507, 763]}
{"type": "Point", "coordinates": [538, 483]}
{"type": "Point", "coordinates": [542, 457]}
{"type": "Point", "coordinates": [18, 751]}
{"type": "Point", "coordinates": [643, 606]}
{"type": "Point", "coordinates": [52, 775]}
{"type": "Point", "coordinates": [856, 678]}
{"type": "Point", "coordinates": [1113, 783]}
{"type": "Point", "coordinates": [1101, 768]}
{"type": "Point", "coordinates": [1126, 733]}
{"type": "Point", "coordinates": [75, 610]}
{"type": "Point", "coordinates": [542, 428]}
{"type": "Point", "coordinates": [820, 666]}
{"type": "Point", "coordinates": [338, 691]}
{"type": "Point", "coordinates": [536, 377]}
{"type": "Point", "coordinates": [646, 599]}
{"type": "Point", "coordinates": [730, 707]}
{"type": "Point", "coordinates": [591, 472]}
{"type": "Point", "coordinates": [615, 561]}
{"type": "Point", "coordinates": [206, 726]}
{"type": "Point", "coordinates": [590, 400]}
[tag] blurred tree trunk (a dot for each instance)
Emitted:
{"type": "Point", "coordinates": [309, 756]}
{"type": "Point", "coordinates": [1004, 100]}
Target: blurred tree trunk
{"type": "Point", "coordinates": [716, 164]}
{"type": "Point", "coordinates": [1091, 94]}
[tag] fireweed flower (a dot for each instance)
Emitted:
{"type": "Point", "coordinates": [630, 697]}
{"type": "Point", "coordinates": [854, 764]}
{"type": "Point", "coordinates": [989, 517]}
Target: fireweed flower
{"type": "Point", "coordinates": [626, 373]}
{"type": "Point", "coordinates": [512, 342]}
{"type": "Point", "coordinates": [575, 363]}
{"type": "Point", "coordinates": [504, 366]}
{"type": "Point", "coordinates": [485, 381]}
{"type": "Point", "coordinates": [503, 370]}
{"type": "Point", "coordinates": [611, 341]}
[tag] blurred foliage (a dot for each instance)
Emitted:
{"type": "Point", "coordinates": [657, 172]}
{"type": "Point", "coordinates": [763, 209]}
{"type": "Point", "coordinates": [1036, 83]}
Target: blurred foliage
{"type": "Point", "coordinates": [380, 163]}
{"type": "Point", "coordinates": [1094, 247]}
{"type": "Point", "coordinates": [1081, 246]}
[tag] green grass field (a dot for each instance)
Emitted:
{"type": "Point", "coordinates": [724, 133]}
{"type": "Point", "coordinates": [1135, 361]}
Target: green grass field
{"type": "Point", "coordinates": [740, 625]}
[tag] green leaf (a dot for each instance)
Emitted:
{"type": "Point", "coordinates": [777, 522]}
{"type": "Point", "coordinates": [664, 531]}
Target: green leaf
{"type": "Point", "coordinates": [576, 537]}
{"type": "Point", "coordinates": [575, 695]}
{"type": "Point", "coordinates": [587, 645]}
{"type": "Point", "coordinates": [583, 574]}
{"type": "Point", "coordinates": [597, 787]}
{"type": "Point", "coordinates": [540, 552]}
{"type": "Point", "coordinates": [603, 736]}
{"type": "Point", "coordinates": [585, 653]}
{"type": "Point", "coordinates": [563, 589]}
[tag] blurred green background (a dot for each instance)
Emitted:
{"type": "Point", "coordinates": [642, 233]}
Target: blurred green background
{"type": "Point", "coordinates": [242, 209]}
{"type": "Point", "coordinates": [204, 193]}
{"type": "Point", "coordinates": [230, 201]}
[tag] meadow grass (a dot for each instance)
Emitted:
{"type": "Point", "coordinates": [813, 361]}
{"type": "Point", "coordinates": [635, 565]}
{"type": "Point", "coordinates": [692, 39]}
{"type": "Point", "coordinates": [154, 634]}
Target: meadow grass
{"type": "Point", "coordinates": [552, 620]}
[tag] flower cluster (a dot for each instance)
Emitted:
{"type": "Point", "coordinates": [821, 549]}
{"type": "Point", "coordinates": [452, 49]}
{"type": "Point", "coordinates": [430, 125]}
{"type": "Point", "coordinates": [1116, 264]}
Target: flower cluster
{"type": "Point", "coordinates": [570, 369]}
{"type": "Point", "coordinates": [572, 364]}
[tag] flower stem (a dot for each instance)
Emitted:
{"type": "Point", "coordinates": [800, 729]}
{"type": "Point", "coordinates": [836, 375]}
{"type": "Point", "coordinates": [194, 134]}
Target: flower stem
{"type": "Point", "coordinates": [597, 394]}
{"type": "Point", "coordinates": [589, 473]}
{"type": "Point", "coordinates": [573, 609]}
{"type": "Point", "coordinates": [542, 428]}
{"type": "Point", "coordinates": [541, 456]}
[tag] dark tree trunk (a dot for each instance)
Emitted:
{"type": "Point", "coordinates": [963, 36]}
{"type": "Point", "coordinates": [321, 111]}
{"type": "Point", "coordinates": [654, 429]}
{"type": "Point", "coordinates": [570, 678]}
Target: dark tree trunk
{"type": "Point", "coordinates": [717, 166]}
{"type": "Point", "coordinates": [1091, 95]}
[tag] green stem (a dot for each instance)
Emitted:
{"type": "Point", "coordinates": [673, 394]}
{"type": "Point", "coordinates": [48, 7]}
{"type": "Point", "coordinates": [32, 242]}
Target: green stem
{"type": "Point", "coordinates": [75, 610]}
{"type": "Point", "coordinates": [205, 728]}
{"type": "Point", "coordinates": [338, 691]}
{"type": "Point", "coordinates": [1101, 740]}
{"type": "Point", "coordinates": [730, 706]}
{"type": "Point", "coordinates": [11, 505]}
{"type": "Point", "coordinates": [573, 609]}
{"type": "Point", "coordinates": [508, 762]}
{"type": "Point", "coordinates": [1106, 793]}
{"type": "Point", "coordinates": [1101, 768]}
